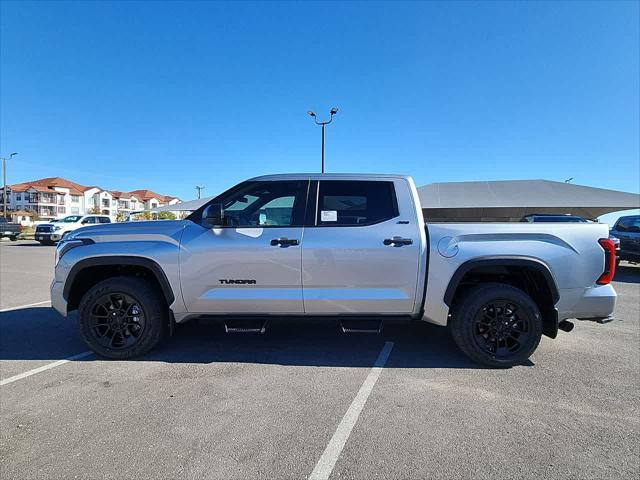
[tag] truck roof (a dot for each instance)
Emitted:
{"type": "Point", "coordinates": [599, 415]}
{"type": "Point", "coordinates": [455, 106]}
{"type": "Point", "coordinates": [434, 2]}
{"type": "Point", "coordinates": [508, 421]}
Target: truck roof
{"type": "Point", "coordinates": [328, 176]}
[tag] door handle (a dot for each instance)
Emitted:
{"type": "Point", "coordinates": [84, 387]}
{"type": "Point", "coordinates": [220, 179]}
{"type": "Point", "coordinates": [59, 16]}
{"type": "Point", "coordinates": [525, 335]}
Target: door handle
{"type": "Point", "coordinates": [397, 241]}
{"type": "Point", "coordinates": [284, 242]}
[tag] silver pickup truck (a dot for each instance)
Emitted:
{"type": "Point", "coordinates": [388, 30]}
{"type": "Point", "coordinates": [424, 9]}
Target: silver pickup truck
{"type": "Point", "coordinates": [345, 246]}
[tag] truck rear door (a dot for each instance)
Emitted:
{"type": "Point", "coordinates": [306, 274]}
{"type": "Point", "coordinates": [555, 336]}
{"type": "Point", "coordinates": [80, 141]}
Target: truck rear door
{"type": "Point", "coordinates": [361, 248]}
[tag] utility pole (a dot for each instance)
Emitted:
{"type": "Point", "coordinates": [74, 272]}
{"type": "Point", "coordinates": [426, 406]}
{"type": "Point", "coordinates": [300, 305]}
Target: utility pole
{"type": "Point", "coordinates": [333, 111]}
{"type": "Point", "coordinates": [4, 190]}
{"type": "Point", "coordinates": [198, 189]}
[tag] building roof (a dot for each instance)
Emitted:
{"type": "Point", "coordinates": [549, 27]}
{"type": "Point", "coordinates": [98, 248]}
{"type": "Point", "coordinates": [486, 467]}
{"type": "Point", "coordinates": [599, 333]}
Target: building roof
{"type": "Point", "coordinates": [511, 199]}
{"type": "Point", "coordinates": [149, 194]}
{"type": "Point", "coordinates": [46, 185]}
{"type": "Point", "coordinates": [118, 194]}
{"type": "Point", "coordinates": [188, 206]}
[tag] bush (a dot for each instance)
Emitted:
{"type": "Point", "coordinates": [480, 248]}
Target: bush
{"type": "Point", "coordinates": [166, 216]}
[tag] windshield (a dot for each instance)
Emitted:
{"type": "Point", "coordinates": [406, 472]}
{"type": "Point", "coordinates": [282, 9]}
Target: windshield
{"type": "Point", "coordinates": [69, 219]}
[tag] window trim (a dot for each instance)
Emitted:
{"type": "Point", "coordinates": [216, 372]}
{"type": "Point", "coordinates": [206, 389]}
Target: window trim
{"type": "Point", "coordinates": [315, 224]}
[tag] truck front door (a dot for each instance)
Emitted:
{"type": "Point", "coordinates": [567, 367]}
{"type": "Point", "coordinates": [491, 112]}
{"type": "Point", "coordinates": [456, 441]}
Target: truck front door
{"type": "Point", "coordinates": [252, 264]}
{"type": "Point", "coordinates": [361, 250]}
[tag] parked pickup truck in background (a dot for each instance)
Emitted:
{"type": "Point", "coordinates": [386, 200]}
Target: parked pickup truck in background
{"type": "Point", "coordinates": [10, 230]}
{"type": "Point", "coordinates": [49, 233]}
{"type": "Point", "coordinates": [346, 246]}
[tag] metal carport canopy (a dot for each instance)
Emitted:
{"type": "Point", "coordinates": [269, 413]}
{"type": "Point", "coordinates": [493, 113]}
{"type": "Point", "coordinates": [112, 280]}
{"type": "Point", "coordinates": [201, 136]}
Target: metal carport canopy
{"type": "Point", "coordinates": [510, 200]}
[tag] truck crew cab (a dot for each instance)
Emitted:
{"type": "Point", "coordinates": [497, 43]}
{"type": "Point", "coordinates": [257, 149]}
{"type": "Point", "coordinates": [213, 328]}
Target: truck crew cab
{"type": "Point", "coordinates": [350, 246]}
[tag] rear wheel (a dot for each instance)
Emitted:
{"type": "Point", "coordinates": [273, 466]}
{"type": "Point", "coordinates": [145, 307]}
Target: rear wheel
{"type": "Point", "coordinates": [14, 238]}
{"type": "Point", "coordinates": [122, 317]}
{"type": "Point", "coordinates": [496, 325]}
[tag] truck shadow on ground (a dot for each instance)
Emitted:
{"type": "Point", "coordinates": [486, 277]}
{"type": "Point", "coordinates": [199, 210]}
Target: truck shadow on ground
{"type": "Point", "coordinates": [42, 334]}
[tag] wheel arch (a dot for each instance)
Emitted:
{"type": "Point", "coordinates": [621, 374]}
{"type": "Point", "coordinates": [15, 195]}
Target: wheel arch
{"type": "Point", "coordinates": [529, 274]}
{"type": "Point", "coordinates": [89, 271]}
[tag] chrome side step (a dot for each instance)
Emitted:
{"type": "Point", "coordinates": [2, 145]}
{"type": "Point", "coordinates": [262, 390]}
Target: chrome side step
{"type": "Point", "coordinates": [246, 326]}
{"type": "Point", "coordinates": [361, 326]}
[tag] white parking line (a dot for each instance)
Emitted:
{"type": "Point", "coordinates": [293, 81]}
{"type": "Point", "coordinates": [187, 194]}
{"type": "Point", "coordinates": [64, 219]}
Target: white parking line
{"type": "Point", "coordinates": [49, 366]}
{"type": "Point", "coordinates": [329, 457]}
{"type": "Point", "coordinates": [24, 306]}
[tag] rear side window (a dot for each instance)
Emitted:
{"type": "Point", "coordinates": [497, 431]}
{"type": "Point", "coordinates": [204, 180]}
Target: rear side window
{"type": "Point", "coordinates": [355, 203]}
{"type": "Point", "coordinates": [629, 224]}
{"type": "Point", "coordinates": [104, 220]}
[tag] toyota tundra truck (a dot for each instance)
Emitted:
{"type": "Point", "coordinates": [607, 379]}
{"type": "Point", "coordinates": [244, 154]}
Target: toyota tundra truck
{"type": "Point", "coordinates": [350, 247]}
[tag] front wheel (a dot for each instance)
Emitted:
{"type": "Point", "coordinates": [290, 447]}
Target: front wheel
{"type": "Point", "coordinates": [122, 317]}
{"type": "Point", "coordinates": [13, 238]}
{"type": "Point", "coordinates": [496, 325]}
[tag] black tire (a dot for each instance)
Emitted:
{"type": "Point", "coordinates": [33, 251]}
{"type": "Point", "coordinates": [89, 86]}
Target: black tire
{"type": "Point", "coordinates": [496, 325]}
{"type": "Point", "coordinates": [13, 238]}
{"type": "Point", "coordinates": [122, 336]}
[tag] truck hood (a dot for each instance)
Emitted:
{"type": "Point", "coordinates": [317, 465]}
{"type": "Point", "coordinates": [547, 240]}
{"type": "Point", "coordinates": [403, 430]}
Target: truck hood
{"type": "Point", "coordinates": [130, 231]}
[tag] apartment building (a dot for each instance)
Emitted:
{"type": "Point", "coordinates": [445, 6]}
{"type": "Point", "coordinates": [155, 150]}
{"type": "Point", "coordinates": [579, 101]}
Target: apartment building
{"type": "Point", "coordinates": [56, 197]}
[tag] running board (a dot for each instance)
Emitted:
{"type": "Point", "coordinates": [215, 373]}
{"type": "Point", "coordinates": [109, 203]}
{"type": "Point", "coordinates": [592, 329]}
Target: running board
{"type": "Point", "coordinates": [245, 326]}
{"type": "Point", "coordinates": [361, 326]}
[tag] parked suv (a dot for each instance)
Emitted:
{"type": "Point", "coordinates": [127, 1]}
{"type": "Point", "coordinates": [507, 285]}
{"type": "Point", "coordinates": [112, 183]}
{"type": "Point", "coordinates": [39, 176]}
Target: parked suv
{"type": "Point", "coordinates": [627, 229]}
{"type": "Point", "coordinates": [50, 233]}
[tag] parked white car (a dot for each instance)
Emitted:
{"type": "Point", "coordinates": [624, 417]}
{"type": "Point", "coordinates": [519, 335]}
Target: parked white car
{"type": "Point", "coordinates": [48, 233]}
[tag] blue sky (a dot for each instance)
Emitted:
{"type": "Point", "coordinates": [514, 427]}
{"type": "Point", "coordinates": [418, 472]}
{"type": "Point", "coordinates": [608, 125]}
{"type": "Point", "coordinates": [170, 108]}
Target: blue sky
{"type": "Point", "coordinates": [167, 95]}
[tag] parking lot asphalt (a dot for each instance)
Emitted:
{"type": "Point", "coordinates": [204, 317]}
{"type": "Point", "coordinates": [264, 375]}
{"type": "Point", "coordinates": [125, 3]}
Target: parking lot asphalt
{"type": "Point", "coordinates": [210, 405]}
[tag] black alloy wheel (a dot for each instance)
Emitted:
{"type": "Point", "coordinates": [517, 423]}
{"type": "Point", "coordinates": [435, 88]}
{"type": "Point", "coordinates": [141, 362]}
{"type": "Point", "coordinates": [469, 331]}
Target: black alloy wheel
{"type": "Point", "coordinates": [117, 320]}
{"type": "Point", "coordinates": [496, 324]}
{"type": "Point", "coordinates": [501, 328]}
{"type": "Point", "coordinates": [123, 317]}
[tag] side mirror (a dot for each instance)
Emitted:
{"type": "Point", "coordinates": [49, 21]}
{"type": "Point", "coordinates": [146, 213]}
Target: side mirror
{"type": "Point", "coordinates": [213, 215]}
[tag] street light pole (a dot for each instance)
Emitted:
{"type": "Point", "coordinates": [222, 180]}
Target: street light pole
{"type": "Point", "coordinates": [333, 111]}
{"type": "Point", "coordinates": [4, 177]}
{"type": "Point", "coordinates": [199, 188]}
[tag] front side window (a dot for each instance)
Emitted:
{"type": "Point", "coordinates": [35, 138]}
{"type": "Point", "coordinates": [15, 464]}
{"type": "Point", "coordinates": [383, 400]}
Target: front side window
{"type": "Point", "coordinates": [355, 203]}
{"type": "Point", "coordinates": [104, 220]}
{"type": "Point", "coordinates": [265, 204]}
{"type": "Point", "coordinates": [89, 221]}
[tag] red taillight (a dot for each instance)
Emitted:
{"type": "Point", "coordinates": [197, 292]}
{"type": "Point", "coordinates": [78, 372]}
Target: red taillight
{"type": "Point", "coordinates": [609, 261]}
